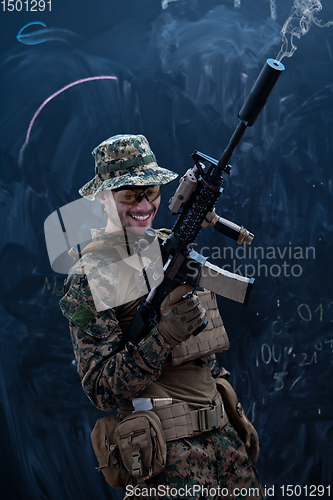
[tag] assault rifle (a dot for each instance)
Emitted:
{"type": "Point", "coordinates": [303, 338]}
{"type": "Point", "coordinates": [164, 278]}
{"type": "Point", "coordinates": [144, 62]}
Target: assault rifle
{"type": "Point", "coordinates": [194, 201]}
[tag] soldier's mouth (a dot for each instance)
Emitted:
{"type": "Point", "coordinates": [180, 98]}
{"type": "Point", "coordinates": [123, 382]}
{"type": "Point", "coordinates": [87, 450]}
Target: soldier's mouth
{"type": "Point", "coordinates": [140, 217]}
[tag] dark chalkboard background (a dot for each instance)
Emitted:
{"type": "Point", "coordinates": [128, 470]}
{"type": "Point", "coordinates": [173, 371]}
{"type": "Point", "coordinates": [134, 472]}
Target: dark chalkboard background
{"type": "Point", "coordinates": [183, 73]}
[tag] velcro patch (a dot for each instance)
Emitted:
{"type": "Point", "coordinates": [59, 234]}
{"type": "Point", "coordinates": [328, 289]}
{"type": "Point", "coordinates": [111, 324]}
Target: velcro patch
{"type": "Point", "coordinates": [82, 316]}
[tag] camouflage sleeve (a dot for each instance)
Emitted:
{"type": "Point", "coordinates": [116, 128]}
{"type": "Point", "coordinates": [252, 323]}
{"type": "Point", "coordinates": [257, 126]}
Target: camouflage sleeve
{"type": "Point", "coordinates": [109, 379]}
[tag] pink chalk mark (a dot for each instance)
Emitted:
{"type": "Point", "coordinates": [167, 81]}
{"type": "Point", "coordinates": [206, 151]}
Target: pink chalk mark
{"type": "Point", "coordinates": [77, 82]}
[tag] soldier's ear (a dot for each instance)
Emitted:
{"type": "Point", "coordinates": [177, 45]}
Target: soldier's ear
{"type": "Point", "coordinates": [101, 197]}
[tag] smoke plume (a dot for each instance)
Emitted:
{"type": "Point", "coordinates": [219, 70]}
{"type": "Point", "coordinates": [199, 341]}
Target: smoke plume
{"type": "Point", "coordinates": [303, 13]}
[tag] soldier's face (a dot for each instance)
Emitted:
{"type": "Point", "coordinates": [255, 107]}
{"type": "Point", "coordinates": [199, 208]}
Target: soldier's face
{"type": "Point", "coordinates": [137, 218]}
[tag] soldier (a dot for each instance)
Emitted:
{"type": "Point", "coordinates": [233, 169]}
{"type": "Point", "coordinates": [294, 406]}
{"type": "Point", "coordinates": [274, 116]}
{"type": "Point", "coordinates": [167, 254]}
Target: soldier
{"type": "Point", "coordinates": [169, 372]}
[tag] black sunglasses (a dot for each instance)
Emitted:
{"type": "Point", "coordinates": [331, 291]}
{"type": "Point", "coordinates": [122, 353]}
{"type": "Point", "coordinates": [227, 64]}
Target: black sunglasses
{"type": "Point", "coordinates": [133, 195]}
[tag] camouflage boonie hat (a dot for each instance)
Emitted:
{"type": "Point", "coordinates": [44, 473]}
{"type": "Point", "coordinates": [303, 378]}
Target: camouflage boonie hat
{"type": "Point", "coordinates": [125, 160]}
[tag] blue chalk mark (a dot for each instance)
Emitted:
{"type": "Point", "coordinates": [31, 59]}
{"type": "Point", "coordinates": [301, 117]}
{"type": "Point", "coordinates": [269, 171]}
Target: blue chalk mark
{"type": "Point", "coordinates": [264, 438]}
{"type": "Point", "coordinates": [19, 36]}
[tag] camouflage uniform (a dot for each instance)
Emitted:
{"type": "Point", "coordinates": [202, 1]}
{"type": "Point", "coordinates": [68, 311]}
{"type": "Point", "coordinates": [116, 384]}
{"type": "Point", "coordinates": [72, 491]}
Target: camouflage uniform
{"type": "Point", "coordinates": [111, 380]}
{"type": "Point", "coordinates": [213, 459]}
{"type": "Point", "coordinates": [112, 376]}
{"type": "Point", "coordinates": [96, 335]}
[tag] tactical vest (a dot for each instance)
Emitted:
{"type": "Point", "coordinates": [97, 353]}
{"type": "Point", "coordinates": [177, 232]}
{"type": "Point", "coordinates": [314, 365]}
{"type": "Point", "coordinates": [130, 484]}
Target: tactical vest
{"type": "Point", "coordinates": [211, 340]}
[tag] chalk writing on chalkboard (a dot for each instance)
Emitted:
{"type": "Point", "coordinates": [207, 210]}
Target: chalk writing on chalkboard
{"type": "Point", "coordinates": [66, 87]}
{"type": "Point", "coordinates": [30, 38]}
{"type": "Point", "coordinates": [53, 287]}
{"type": "Point", "coordinates": [306, 314]}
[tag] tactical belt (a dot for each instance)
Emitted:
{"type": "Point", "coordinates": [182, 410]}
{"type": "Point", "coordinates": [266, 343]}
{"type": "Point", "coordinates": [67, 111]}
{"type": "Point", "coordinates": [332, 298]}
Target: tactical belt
{"type": "Point", "coordinates": [178, 421]}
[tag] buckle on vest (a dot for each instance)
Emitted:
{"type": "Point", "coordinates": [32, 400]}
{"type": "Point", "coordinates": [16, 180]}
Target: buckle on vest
{"type": "Point", "coordinates": [208, 418]}
{"type": "Point", "coordinates": [136, 464]}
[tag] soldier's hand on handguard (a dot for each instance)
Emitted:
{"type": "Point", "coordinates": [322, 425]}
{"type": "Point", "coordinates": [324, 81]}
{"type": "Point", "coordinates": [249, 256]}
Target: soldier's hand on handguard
{"type": "Point", "coordinates": [180, 317]}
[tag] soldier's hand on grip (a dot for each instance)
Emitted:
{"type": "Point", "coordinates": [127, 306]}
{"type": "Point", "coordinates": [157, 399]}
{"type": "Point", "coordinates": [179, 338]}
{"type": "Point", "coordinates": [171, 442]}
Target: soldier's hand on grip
{"type": "Point", "coordinates": [181, 317]}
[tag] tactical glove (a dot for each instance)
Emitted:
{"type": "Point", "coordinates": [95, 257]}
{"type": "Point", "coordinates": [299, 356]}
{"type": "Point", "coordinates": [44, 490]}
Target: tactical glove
{"type": "Point", "coordinates": [180, 317]}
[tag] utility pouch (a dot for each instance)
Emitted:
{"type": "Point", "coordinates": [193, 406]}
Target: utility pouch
{"type": "Point", "coordinates": [142, 445]}
{"type": "Point", "coordinates": [238, 419]}
{"type": "Point", "coordinates": [104, 441]}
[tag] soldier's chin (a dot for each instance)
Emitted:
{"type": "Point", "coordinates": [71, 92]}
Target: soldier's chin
{"type": "Point", "coordinates": [137, 230]}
